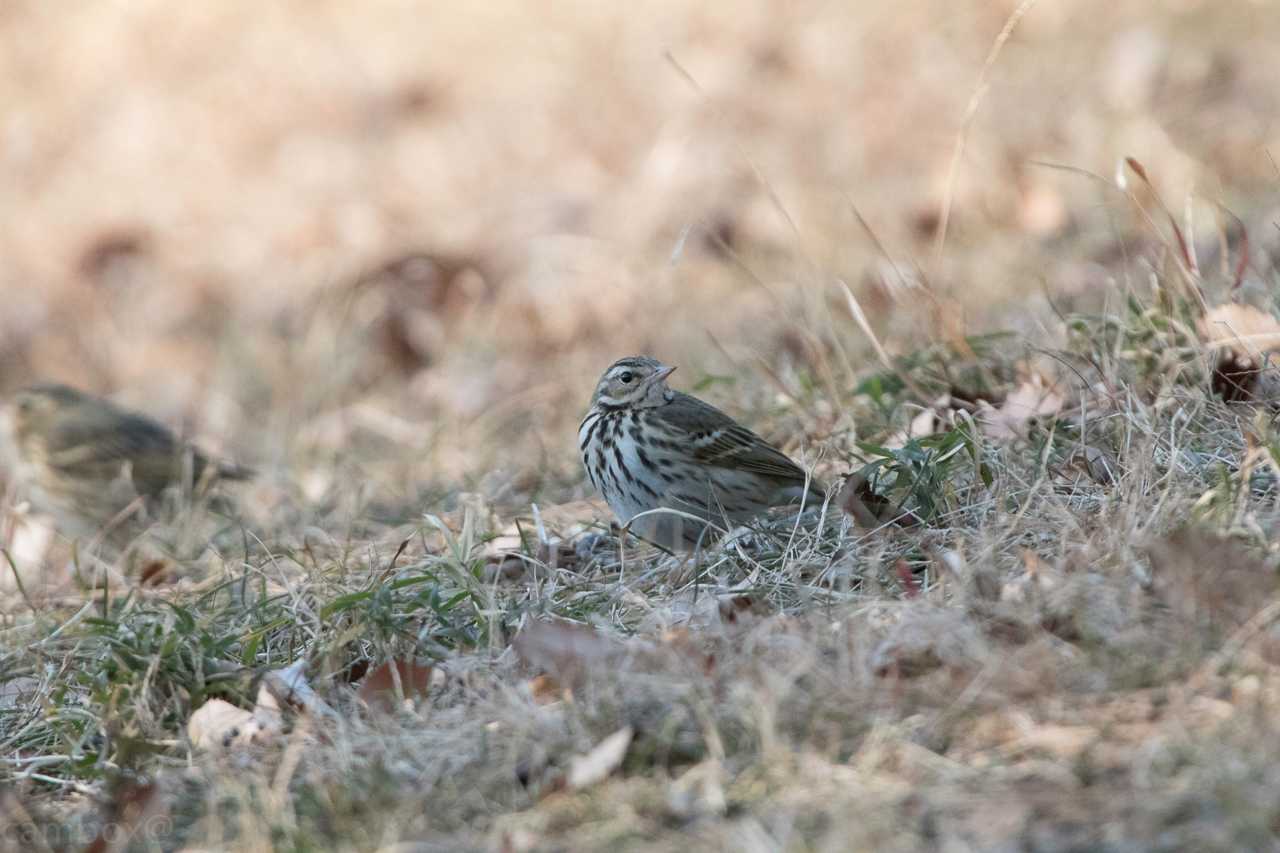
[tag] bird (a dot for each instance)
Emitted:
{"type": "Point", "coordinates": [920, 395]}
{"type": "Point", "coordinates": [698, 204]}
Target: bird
{"type": "Point", "coordinates": [648, 447]}
{"type": "Point", "coordinates": [85, 461]}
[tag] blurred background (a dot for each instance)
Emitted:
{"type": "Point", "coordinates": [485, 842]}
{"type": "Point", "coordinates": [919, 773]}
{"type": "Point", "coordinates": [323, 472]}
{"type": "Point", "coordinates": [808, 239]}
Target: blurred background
{"type": "Point", "coordinates": [393, 244]}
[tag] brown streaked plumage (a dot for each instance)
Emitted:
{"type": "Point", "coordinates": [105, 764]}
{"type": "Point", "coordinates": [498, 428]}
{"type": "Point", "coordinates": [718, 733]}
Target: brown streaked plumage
{"type": "Point", "coordinates": [84, 460]}
{"type": "Point", "coordinates": [646, 446]}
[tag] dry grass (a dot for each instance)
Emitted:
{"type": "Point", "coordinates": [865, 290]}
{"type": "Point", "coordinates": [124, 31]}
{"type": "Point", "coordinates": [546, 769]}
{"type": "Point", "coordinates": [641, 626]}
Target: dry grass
{"type": "Point", "coordinates": [382, 253]}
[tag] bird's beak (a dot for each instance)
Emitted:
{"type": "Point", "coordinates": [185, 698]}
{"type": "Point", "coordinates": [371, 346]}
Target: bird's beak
{"type": "Point", "coordinates": [662, 373]}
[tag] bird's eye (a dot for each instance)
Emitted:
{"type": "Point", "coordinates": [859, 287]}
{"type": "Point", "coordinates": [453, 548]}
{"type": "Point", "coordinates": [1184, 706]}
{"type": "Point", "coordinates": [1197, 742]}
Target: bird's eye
{"type": "Point", "coordinates": [626, 376]}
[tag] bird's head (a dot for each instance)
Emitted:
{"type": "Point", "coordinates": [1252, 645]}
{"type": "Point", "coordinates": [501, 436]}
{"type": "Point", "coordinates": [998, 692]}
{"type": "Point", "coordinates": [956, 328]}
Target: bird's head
{"type": "Point", "coordinates": [637, 381]}
{"type": "Point", "coordinates": [35, 408]}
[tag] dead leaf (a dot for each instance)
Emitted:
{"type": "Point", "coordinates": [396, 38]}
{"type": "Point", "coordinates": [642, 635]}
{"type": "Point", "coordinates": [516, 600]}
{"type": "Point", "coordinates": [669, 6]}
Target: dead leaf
{"type": "Point", "coordinates": [266, 710]}
{"type": "Point", "coordinates": [1242, 328]}
{"type": "Point", "coordinates": [393, 683]}
{"type": "Point", "coordinates": [156, 573]}
{"type": "Point", "coordinates": [219, 725]}
{"type": "Point", "coordinates": [729, 606]}
{"type": "Point", "coordinates": [871, 510]}
{"type": "Point", "coordinates": [1033, 398]}
{"type": "Point", "coordinates": [1246, 340]}
{"type": "Point", "coordinates": [936, 417]}
{"type": "Point", "coordinates": [1236, 379]}
{"type": "Point", "coordinates": [926, 423]}
{"type": "Point", "coordinates": [526, 544]}
{"type": "Point", "coordinates": [600, 762]}
{"type": "Point", "coordinates": [565, 650]}
{"type": "Point", "coordinates": [545, 690]}
{"type": "Point", "coordinates": [506, 560]}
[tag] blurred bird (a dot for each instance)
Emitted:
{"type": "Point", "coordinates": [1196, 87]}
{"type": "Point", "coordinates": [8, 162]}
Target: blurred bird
{"type": "Point", "coordinates": [646, 446]}
{"type": "Point", "coordinates": [89, 463]}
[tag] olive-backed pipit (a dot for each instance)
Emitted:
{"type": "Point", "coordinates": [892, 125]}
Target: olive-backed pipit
{"type": "Point", "coordinates": [646, 446]}
{"type": "Point", "coordinates": [89, 463]}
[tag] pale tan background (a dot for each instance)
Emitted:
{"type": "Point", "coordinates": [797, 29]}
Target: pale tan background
{"type": "Point", "coordinates": [192, 192]}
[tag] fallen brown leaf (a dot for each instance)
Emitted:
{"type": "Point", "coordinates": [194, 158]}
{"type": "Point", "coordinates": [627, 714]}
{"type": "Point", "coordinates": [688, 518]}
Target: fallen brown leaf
{"type": "Point", "coordinates": [1245, 340]}
{"type": "Point", "coordinates": [936, 417]}
{"type": "Point", "coordinates": [869, 509]}
{"type": "Point", "coordinates": [729, 606]}
{"type": "Point", "coordinates": [545, 690]}
{"type": "Point", "coordinates": [155, 573]}
{"type": "Point", "coordinates": [1034, 398]}
{"type": "Point", "coordinates": [387, 686]}
{"type": "Point", "coordinates": [564, 650]}
{"type": "Point", "coordinates": [1247, 330]}
{"type": "Point", "coordinates": [219, 725]}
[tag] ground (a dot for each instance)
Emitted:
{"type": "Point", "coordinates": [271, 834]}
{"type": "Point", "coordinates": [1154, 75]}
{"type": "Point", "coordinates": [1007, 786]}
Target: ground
{"type": "Point", "coordinates": [381, 253]}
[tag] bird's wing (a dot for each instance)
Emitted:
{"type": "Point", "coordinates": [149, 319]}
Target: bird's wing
{"type": "Point", "coordinates": [716, 439]}
{"type": "Point", "coordinates": [98, 444]}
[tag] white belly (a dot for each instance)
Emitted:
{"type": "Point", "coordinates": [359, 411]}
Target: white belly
{"type": "Point", "coordinates": [633, 487]}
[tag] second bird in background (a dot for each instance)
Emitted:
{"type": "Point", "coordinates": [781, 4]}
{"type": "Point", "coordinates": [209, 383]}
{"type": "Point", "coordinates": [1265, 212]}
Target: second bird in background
{"type": "Point", "coordinates": [649, 447]}
{"type": "Point", "coordinates": [95, 467]}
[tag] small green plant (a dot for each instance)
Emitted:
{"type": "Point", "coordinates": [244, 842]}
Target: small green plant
{"type": "Point", "coordinates": [925, 474]}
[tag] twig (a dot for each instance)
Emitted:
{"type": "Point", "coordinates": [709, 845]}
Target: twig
{"type": "Point", "coordinates": [975, 100]}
